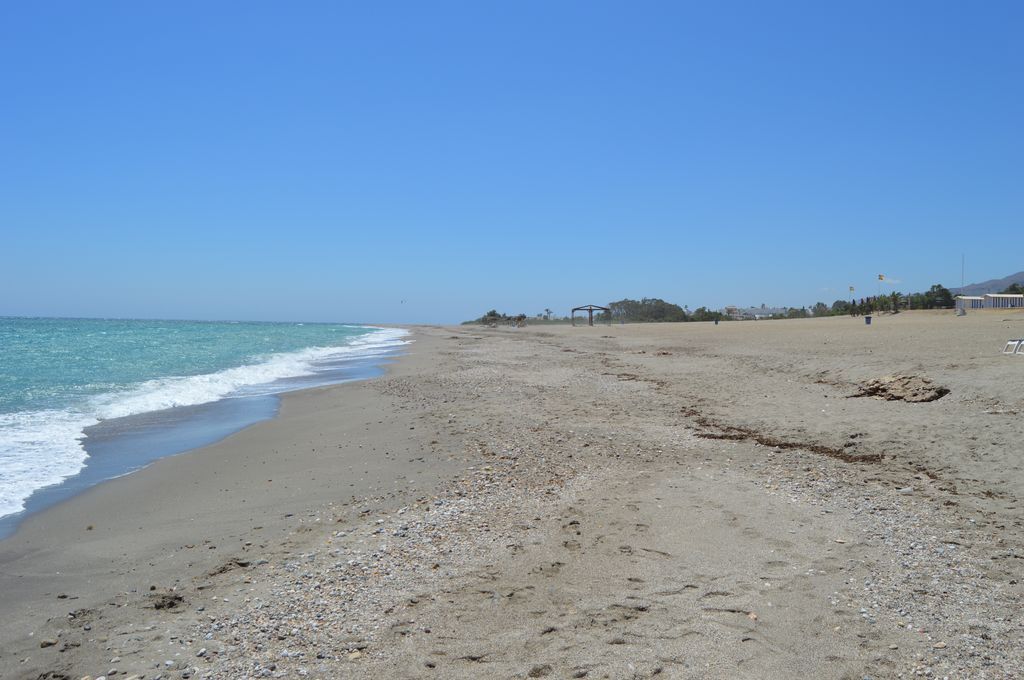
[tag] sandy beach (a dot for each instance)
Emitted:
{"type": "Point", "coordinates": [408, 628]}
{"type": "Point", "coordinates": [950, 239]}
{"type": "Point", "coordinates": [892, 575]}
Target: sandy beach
{"type": "Point", "coordinates": [671, 500]}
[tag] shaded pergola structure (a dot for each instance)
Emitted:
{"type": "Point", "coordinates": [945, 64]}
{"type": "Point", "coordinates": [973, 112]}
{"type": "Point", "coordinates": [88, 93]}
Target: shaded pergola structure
{"type": "Point", "coordinates": [590, 309]}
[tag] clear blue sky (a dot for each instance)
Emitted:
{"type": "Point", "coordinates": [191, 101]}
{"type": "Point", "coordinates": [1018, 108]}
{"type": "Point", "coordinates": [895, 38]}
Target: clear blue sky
{"type": "Point", "coordinates": [328, 161]}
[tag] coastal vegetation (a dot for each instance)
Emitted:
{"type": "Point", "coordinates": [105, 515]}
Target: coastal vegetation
{"type": "Point", "coordinates": [496, 318]}
{"type": "Point", "coordinates": [656, 310]}
{"type": "Point", "coordinates": [645, 310]}
{"type": "Point", "coordinates": [936, 297]}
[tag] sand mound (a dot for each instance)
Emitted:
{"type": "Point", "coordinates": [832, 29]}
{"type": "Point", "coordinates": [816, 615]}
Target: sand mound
{"type": "Point", "coordinates": [912, 388]}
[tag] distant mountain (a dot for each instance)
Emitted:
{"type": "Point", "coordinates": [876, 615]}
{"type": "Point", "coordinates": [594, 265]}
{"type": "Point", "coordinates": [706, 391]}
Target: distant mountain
{"type": "Point", "coordinates": [992, 286]}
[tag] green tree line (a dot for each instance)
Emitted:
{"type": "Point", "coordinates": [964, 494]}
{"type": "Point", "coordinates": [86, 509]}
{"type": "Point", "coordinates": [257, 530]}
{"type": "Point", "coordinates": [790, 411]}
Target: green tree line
{"type": "Point", "coordinates": [656, 310]}
{"type": "Point", "coordinates": [646, 310]}
{"type": "Point", "coordinates": [936, 297]}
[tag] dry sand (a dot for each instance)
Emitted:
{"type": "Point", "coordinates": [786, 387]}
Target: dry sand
{"type": "Point", "coordinates": [679, 500]}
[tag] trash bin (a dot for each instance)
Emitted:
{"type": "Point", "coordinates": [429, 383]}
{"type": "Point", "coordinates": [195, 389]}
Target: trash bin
{"type": "Point", "coordinates": [716, 322]}
{"type": "Point", "coordinates": [867, 320]}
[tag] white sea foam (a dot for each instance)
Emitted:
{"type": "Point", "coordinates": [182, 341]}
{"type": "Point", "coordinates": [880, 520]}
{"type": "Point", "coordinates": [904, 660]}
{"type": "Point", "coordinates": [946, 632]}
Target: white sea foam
{"type": "Point", "coordinates": [255, 378]}
{"type": "Point", "coordinates": [37, 449]}
{"type": "Point", "coordinates": [41, 448]}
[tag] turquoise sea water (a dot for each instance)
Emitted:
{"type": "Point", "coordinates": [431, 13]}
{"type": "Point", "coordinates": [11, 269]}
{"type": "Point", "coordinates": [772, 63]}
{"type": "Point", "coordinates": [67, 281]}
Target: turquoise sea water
{"type": "Point", "coordinates": [61, 376]}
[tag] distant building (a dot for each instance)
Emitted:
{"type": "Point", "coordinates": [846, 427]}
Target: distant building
{"type": "Point", "coordinates": [990, 301]}
{"type": "Point", "coordinates": [970, 302]}
{"type": "Point", "coordinates": [1003, 300]}
{"type": "Point", "coordinates": [753, 313]}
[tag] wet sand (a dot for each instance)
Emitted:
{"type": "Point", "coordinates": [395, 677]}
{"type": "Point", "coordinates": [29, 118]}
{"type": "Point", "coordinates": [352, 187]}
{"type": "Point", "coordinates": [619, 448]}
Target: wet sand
{"type": "Point", "coordinates": [677, 500]}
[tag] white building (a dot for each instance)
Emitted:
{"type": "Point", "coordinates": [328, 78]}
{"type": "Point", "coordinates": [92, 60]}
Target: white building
{"type": "Point", "coordinates": [1003, 300]}
{"type": "Point", "coordinates": [970, 302]}
{"type": "Point", "coordinates": [756, 313]}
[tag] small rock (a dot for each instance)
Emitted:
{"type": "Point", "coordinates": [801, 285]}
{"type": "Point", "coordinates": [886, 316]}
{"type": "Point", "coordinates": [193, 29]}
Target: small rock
{"type": "Point", "coordinates": [201, 652]}
{"type": "Point", "coordinates": [354, 655]}
{"type": "Point", "coordinates": [939, 645]}
{"type": "Point", "coordinates": [540, 671]}
{"type": "Point", "coordinates": [48, 642]}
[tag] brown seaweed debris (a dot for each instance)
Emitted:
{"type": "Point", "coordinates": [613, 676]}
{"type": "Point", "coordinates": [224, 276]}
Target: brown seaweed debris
{"type": "Point", "coordinates": [168, 601]}
{"type": "Point", "coordinates": [734, 433]}
{"type": "Point", "coordinates": [233, 563]}
{"type": "Point", "coordinates": [910, 388]}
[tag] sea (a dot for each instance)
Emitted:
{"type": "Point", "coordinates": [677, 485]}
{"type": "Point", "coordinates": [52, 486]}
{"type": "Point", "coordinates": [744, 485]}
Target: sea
{"type": "Point", "coordinates": [86, 400]}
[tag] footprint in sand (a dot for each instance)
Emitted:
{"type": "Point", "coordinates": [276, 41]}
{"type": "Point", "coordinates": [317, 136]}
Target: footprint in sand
{"type": "Point", "coordinates": [548, 569]}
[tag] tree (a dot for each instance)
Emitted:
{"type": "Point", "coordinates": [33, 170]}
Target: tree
{"type": "Point", "coordinates": [820, 309]}
{"type": "Point", "coordinates": [1015, 289]}
{"type": "Point", "coordinates": [704, 314]}
{"type": "Point", "coordinates": [646, 310]}
{"type": "Point", "coordinates": [895, 297]}
{"type": "Point", "coordinates": [841, 307]}
{"type": "Point", "coordinates": [938, 297]}
{"type": "Point", "coordinates": [494, 317]}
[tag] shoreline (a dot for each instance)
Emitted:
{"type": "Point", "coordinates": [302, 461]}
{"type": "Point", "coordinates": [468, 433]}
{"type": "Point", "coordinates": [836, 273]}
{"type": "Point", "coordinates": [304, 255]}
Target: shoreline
{"type": "Point", "coordinates": [583, 502]}
{"type": "Point", "coordinates": [124, 445]}
{"type": "Point", "coordinates": [158, 528]}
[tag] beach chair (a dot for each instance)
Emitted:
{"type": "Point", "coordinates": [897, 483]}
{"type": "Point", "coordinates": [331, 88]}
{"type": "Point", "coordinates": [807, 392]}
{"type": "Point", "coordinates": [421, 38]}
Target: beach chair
{"type": "Point", "coordinates": [1014, 346]}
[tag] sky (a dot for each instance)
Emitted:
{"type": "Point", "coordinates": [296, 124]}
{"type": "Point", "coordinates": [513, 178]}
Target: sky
{"type": "Point", "coordinates": [426, 162]}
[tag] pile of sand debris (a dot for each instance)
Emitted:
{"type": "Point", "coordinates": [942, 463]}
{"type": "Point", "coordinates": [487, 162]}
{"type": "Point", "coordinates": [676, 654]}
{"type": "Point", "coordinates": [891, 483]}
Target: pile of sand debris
{"type": "Point", "coordinates": [912, 388]}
